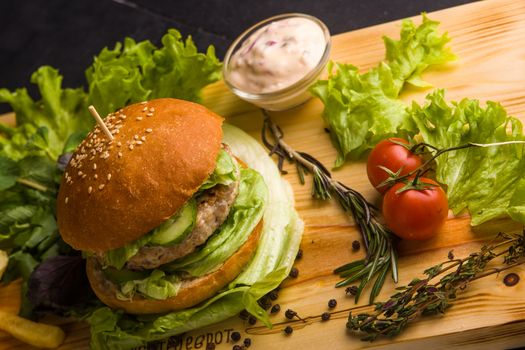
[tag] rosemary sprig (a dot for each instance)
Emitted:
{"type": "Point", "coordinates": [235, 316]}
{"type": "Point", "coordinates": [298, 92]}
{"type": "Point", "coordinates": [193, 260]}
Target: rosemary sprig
{"type": "Point", "coordinates": [381, 256]}
{"type": "Point", "coordinates": [424, 297]}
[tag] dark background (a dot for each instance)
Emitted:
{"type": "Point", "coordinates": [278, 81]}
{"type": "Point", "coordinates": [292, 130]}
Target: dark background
{"type": "Point", "coordinates": [67, 33]}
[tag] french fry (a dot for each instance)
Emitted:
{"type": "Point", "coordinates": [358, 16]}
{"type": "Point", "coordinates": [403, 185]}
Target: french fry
{"type": "Point", "coordinates": [3, 262]}
{"type": "Point", "coordinates": [33, 333]}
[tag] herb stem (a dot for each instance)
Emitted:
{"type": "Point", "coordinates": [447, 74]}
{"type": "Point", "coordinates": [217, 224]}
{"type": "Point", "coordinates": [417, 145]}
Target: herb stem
{"type": "Point", "coordinates": [32, 184]}
{"type": "Point", "coordinates": [378, 239]}
{"type": "Point", "coordinates": [420, 297]}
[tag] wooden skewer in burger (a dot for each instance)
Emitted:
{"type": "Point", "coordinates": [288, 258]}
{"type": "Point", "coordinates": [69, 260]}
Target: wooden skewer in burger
{"type": "Point", "coordinates": [164, 211]}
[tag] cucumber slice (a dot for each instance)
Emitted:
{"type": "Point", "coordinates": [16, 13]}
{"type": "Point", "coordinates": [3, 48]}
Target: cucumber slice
{"type": "Point", "coordinates": [176, 228]}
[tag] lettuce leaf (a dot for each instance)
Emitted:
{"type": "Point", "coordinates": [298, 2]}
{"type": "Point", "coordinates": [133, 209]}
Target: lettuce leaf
{"type": "Point", "coordinates": [225, 172]}
{"type": "Point", "coordinates": [278, 246]}
{"type": "Point", "coordinates": [44, 126]}
{"type": "Point", "coordinates": [134, 72]}
{"type": "Point", "coordinates": [362, 109]}
{"type": "Point", "coordinates": [158, 285]}
{"type": "Point", "coordinates": [486, 181]}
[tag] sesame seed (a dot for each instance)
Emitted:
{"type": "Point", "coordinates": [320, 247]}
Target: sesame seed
{"type": "Point", "coordinates": [67, 200]}
{"type": "Point", "coordinates": [149, 114]}
{"type": "Point", "coordinates": [138, 118]}
{"type": "Point", "coordinates": [84, 176]}
{"type": "Point", "coordinates": [119, 144]}
{"type": "Point", "coordinates": [101, 186]}
{"type": "Point", "coordinates": [144, 109]}
{"type": "Point", "coordinates": [95, 177]}
{"type": "Point", "coordinates": [136, 137]}
{"type": "Point", "coordinates": [109, 177]}
{"type": "Point", "coordinates": [123, 116]}
{"type": "Point", "coordinates": [120, 154]}
{"type": "Point", "coordinates": [149, 130]}
{"type": "Point", "coordinates": [144, 102]}
{"type": "Point", "coordinates": [90, 189]}
{"type": "Point", "coordinates": [94, 166]}
{"type": "Point", "coordinates": [80, 173]}
{"type": "Point", "coordinates": [131, 147]}
{"type": "Point", "coordinates": [152, 109]}
{"type": "Point", "coordinates": [143, 138]}
{"type": "Point", "coordinates": [138, 142]}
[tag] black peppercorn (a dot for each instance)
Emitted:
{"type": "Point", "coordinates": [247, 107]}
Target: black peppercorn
{"type": "Point", "coordinates": [356, 245]}
{"type": "Point", "coordinates": [332, 303]}
{"type": "Point", "coordinates": [244, 315]}
{"type": "Point", "coordinates": [252, 320]}
{"type": "Point", "coordinates": [273, 295]}
{"type": "Point", "coordinates": [289, 314]}
{"type": "Point", "coordinates": [247, 342]}
{"type": "Point", "coordinates": [352, 290]}
{"type": "Point", "coordinates": [236, 336]}
{"type": "Point", "coordinates": [237, 347]}
{"type": "Point", "coordinates": [210, 346]}
{"type": "Point", "coordinates": [265, 303]}
{"type": "Point", "coordinates": [288, 330]}
{"type": "Point", "coordinates": [325, 316]}
{"type": "Point", "coordinates": [294, 272]}
{"type": "Point", "coordinates": [275, 309]}
{"type": "Point", "coordinates": [299, 254]}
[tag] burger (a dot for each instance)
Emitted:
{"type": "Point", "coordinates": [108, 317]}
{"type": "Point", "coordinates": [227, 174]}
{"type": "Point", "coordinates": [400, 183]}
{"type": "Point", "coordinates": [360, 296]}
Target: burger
{"type": "Point", "coordinates": [164, 212]}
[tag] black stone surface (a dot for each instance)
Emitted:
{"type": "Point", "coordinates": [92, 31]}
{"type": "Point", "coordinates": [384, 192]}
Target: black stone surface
{"type": "Point", "coordinates": [67, 33]}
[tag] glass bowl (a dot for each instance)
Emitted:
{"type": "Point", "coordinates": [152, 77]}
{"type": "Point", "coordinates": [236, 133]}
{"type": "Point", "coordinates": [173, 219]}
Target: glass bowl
{"type": "Point", "coordinates": [289, 96]}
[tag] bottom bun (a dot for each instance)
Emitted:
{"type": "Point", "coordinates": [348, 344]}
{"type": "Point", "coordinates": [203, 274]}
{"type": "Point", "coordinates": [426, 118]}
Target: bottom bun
{"type": "Point", "coordinates": [191, 292]}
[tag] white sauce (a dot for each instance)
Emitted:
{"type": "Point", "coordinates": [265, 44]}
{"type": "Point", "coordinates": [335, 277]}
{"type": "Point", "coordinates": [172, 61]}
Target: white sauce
{"type": "Point", "coordinates": [277, 55]}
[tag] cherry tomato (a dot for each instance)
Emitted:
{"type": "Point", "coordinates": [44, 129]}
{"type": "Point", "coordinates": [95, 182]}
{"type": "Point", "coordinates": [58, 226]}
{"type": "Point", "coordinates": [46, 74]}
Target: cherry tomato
{"type": "Point", "coordinates": [415, 213]}
{"type": "Point", "coordinates": [391, 156]}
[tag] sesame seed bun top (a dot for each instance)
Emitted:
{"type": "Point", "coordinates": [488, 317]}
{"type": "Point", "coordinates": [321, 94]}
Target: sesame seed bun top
{"type": "Point", "coordinates": [114, 192]}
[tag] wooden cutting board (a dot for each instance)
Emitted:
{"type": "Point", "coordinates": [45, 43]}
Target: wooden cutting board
{"type": "Point", "coordinates": [489, 39]}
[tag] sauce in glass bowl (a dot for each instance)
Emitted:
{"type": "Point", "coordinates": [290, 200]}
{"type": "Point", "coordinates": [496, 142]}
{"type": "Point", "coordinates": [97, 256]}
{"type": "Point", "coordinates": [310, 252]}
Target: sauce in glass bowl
{"type": "Point", "coordinates": [273, 63]}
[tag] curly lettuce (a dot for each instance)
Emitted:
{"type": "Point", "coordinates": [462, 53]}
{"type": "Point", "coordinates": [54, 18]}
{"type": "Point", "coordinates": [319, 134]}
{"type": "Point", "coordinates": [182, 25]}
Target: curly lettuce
{"type": "Point", "coordinates": [134, 72]}
{"type": "Point", "coordinates": [488, 181]}
{"type": "Point", "coordinates": [362, 109]}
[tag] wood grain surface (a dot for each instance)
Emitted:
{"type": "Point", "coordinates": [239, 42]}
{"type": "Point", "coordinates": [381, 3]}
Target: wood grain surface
{"type": "Point", "coordinates": [489, 39]}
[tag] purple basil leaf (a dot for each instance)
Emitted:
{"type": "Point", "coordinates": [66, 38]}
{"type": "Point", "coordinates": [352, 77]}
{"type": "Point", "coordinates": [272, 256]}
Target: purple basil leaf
{"type": "Point", "coordinates": [60, 283]}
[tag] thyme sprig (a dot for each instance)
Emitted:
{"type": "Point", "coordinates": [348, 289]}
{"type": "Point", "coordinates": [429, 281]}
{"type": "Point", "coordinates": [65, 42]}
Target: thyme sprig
{"type": "Point", "coordinates": [428, 296]}
{"type": "Point", "coordinates": [381, 256]}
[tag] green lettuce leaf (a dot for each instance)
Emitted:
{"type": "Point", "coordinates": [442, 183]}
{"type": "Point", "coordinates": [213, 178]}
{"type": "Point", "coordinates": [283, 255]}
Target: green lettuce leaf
{"type": "Point", "coordinates": [134, 72]}
{"type": "Point", "coordinates": [362, 109]}
{"type": "Point", "coordinates": [278, 246]}
{"type": "Point", "coordinates": [225, 172]}
{"type": "Point", "coordinates": [158, 285]}
{"type": "Point", "coordinates": [487, 181]}
{"type": "Point", "coordinates": [45, 125]}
